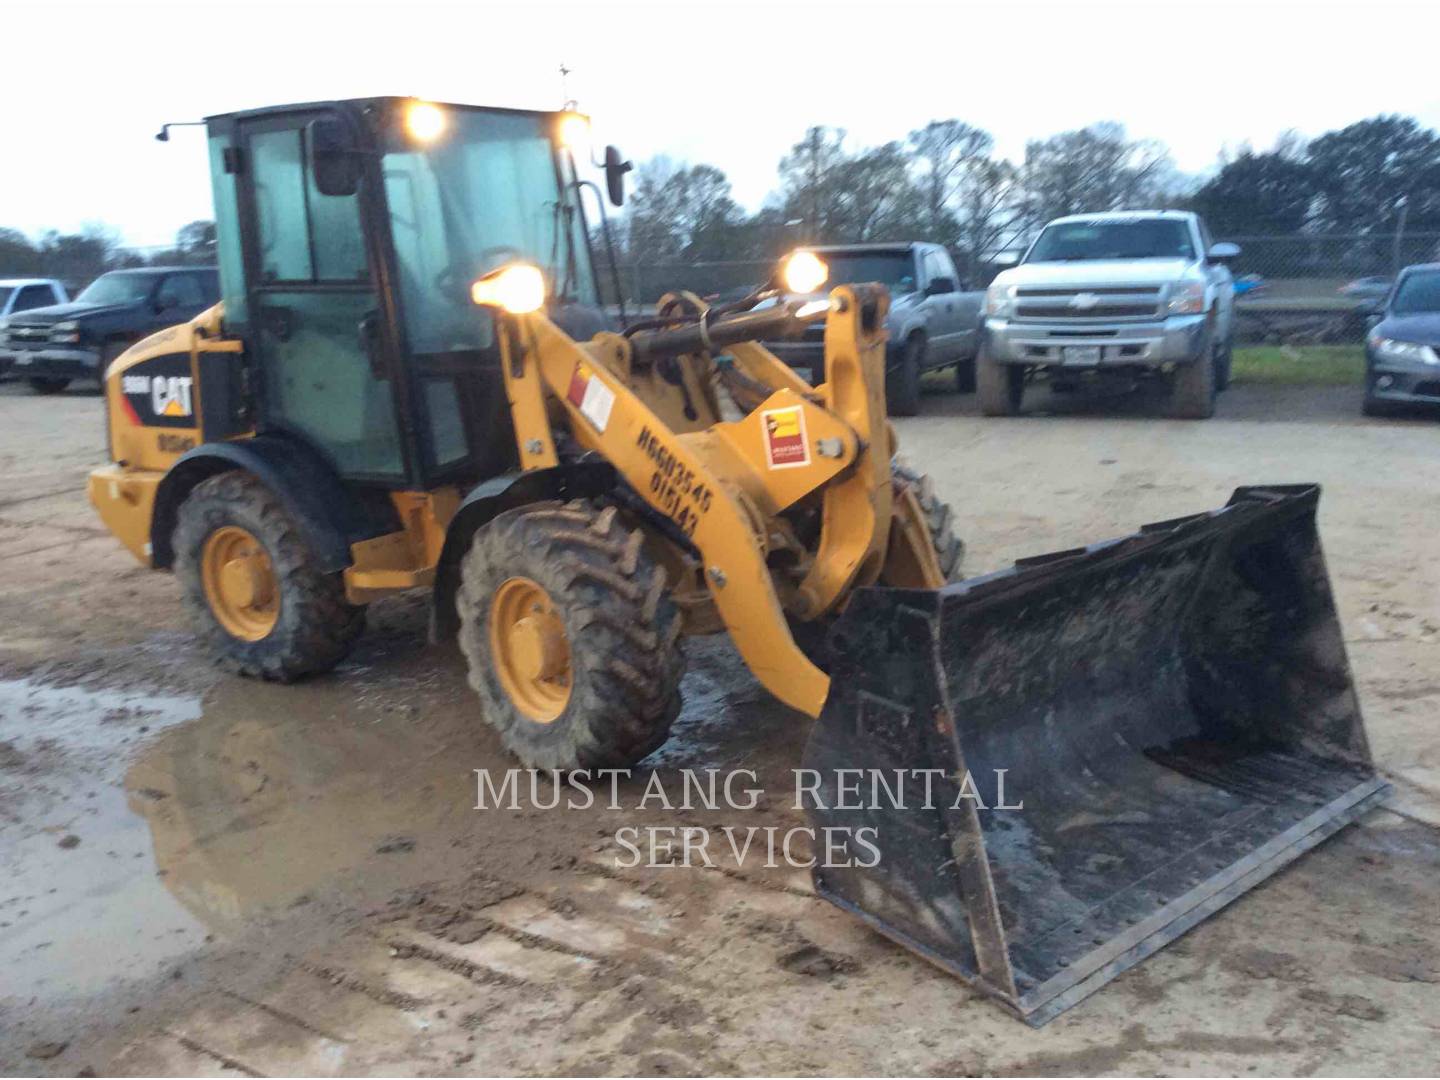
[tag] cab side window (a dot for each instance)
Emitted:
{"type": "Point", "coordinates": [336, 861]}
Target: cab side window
{"type": "Point", "coordinates": [304, 236]}
{"type": "Point", "coordinates": [179, 291]}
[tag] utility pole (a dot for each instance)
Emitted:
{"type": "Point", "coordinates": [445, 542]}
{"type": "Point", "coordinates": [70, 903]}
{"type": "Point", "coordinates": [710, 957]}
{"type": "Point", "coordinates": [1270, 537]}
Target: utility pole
{"type": "Point", "coordinates": [1403, 205]}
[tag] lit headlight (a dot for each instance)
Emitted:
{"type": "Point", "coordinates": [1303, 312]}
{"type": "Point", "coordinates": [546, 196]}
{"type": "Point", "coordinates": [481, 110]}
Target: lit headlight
{"type": "Point", "coordinates": [1187, 299]}
{"type": "Point", "coordinates": [518, 288]}
{"type": "Point", "coordinates": [65, 333]}
{"type": "Point", "coordinates": [1390, 351]}
{"type": "Point", "coordinates": [1000, 300]}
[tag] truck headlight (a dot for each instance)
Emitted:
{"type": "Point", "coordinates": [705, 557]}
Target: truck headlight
{"type": "Point", "coordinates": [1000, 300]}
{"type": "Point", "coordinates": [1187, 299]}
{"type": "Point", "coordinates": [1390, 351]}
{"type": "Point", "coordinates": [65, 333]}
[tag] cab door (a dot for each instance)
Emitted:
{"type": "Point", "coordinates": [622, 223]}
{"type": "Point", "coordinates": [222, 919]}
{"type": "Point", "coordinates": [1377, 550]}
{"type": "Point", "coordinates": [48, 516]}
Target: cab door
{"type": "Point", "coordinates": [314, 314]}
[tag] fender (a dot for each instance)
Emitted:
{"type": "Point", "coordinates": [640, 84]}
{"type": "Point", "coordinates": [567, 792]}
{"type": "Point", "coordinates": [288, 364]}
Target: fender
{"type": "Point", "coordinates": [490, 499]}
{"type": "Point", "coordinates": [331, 514]}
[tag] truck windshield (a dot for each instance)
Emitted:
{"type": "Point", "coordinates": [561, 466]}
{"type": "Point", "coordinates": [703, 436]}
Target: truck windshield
{"type": "Point", "coordinates": [490, 189]}
{"type": "Point", "coordinates": [121, 288]}
{"type": "Point", "coordinates": [893, 269]}
{"type": "Point", "coordinates": [1418, 294]}
{"type": "Point", "coordinates": [1157, 238]}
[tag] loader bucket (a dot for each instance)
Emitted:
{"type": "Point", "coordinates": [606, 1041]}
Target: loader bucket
{"type": "Point", "coordinates": [1173, 709]}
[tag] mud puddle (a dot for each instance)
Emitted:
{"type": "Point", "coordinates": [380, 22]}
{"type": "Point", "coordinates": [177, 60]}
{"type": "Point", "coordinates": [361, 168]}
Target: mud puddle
{"type": "Point", "coordinates": [80, 904]}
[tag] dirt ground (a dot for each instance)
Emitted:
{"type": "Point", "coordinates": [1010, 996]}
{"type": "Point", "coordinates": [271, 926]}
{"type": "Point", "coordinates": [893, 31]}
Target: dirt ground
{"type": "Point", "coordinates": [204, 875]}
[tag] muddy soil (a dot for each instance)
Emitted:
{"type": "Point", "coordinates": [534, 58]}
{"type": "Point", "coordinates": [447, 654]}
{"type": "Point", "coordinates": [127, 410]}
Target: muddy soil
{"type": "Point", "coordinates": [209, 876]}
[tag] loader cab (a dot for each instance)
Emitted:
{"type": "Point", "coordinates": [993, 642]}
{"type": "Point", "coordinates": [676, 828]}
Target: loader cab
{"type": "Point", "coordinates": [350, 233]}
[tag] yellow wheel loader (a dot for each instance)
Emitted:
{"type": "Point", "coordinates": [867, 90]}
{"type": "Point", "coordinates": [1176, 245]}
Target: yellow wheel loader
{"type": "Point", "coordinates": [411, 383]}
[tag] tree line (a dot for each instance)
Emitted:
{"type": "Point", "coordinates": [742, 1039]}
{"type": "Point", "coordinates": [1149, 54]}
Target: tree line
{"type": "Point", "coordinates": [944, 182]}
{"type": "Point", "coordinates": [79, 257]}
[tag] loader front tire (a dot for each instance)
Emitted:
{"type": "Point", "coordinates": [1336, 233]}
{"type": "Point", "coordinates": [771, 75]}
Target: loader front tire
{"type": "Point", "coordinates": [570, 635]}
{"type": "Point", "coordinates": [252, 586]}
{"type": "Point", "coordinates": [949, 548]}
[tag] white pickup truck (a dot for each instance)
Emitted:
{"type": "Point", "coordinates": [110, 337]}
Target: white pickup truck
{"type": "Point", "coordinates": [1135, 293]}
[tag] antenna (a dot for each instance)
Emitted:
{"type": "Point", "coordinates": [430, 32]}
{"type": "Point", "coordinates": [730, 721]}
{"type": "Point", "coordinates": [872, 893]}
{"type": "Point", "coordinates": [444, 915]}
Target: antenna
{"type": "Point", "coordinates": [570, 103]}
{"type": "Point", "coordinates": [163, 135]}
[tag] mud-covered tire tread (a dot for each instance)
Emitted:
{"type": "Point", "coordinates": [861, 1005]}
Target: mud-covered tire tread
{"type": "Point", "coordinates": [623, 629]}
{"type": "Point", "coordinates": [949, 548]}
{"type": "Point", "coordinates": [317, 626]}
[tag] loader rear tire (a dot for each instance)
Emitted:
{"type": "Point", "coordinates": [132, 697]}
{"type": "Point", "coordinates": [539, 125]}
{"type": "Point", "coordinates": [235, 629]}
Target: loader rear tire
{"type": "Point", "coordinates": [570, 635]}
{"type": "Point", "coordinates": [290, 618]}
{"type": "Point", "coordinates": [949, 548]}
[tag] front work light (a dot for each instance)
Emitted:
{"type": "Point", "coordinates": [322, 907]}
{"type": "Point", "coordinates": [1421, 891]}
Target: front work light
{"type": "Point", "coordinates": [574, 131]}
{"type": "Point", "coordinates": [425, 122]}
{"type": "Point", "coordinates": [804, 272]}
{"type": "Point", "coordinates": [518, 288]}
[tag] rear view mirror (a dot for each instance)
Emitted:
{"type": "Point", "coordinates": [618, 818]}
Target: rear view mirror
{"type": "Point", "coordinates": [1223, 252]}
{"type": "Point", "coordinates": [615, 170]}
{"type": "Point", "coordinates": [334, 164]}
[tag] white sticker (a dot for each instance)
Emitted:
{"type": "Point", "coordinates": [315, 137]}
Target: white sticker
{"type": "Point", "coordinates": [597, 403]}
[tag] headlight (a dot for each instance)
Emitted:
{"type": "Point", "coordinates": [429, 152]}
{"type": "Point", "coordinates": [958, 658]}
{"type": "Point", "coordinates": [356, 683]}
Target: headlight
{"type": "Point", "coordinates": [1187, 298]}
{"type": "Point", "coordinates": [1000, 300]}
{"type": "Point", "coordinates": [518, 288]}
{"type": "Point", "coordinates": [1390, 351]}
{"type": "Point", "coordinates": [65, 333]}
{"type": "Point", "coordinates": [804, 272]}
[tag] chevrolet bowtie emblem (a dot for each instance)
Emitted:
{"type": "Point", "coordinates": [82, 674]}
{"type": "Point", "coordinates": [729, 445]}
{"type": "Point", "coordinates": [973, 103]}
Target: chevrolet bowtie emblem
{"type": "Point", "coordinates": [1084, 301]}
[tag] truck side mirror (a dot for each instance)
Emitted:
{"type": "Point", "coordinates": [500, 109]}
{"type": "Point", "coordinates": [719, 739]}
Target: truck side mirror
{"type": "Point", "coordinates": [615, 170]}
{"type": "Point", "coordinates": [334, 163]}
{"type": "Point", "coordinates": [1222, 252]}
{"type": "Point", "coordinates": [939, 286]}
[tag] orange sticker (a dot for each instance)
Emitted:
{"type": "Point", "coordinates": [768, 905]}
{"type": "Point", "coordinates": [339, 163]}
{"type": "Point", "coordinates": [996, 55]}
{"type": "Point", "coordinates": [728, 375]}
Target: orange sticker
{"type": "Point", "coordinates": [785, 445]}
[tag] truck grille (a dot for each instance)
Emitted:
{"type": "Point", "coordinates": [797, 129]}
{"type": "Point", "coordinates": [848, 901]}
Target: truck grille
{"type": "Point", "coordinates": [1086, 305]}
{"type": "Point", "coordinates": [28, 335]}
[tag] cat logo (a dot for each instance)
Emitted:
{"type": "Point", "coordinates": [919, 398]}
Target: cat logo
{"type": "Point", "coordinates": [170, 395]}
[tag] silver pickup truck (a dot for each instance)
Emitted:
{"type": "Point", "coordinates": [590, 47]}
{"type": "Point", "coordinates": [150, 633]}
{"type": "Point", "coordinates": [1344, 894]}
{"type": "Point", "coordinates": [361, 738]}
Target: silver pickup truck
{"type": "Point", "coordinates": [934, 321]}
{"type": "Point", "coordinates": [1138, 293]}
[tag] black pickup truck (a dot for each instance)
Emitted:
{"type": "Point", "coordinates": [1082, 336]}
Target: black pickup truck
{"type": "Point", "coordinates": [51, 346]}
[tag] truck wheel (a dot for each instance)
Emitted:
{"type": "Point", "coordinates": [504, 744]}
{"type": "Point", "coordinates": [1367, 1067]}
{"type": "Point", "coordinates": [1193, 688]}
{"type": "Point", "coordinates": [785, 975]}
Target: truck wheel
{"type": "Point", "coordinates": [902, 385]}
{"type": "Point", "coordinates": [965, 376]}
{"type": "Point", "coordinates": [46, 384]}
{"type": "Point", "coordinates": [571, 638]}
{"type": "Point", "coordinates": [949, 548]}
{"type": "Point", "coordinates": [251, 585]}
{"type": "Point", "coordinates": [1193, 386]}
{"type": "Point", "coordinates": [1001, 386]}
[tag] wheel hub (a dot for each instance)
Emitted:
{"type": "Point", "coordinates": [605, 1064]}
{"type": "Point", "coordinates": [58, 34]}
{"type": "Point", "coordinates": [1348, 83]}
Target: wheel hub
{"type": "Point", "coordinates": [240, 583]}
{"type": "Point", "coordinates": [530, 649]}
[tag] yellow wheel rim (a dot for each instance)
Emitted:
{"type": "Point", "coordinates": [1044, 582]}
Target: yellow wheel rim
{"type": "Point", "coordinates": [530, 649]}
{"type": "Point", "coordinates": [240, 583]}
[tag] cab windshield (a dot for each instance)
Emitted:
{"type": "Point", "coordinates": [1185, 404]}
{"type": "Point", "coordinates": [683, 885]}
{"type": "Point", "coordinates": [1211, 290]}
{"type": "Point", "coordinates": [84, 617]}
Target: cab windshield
{"type": "Point", "coordinates": [489, 189]}
{"type": "Point", "coordinates": [1418, 294]}
{"type": "Point", "coordinates": [893, 269]}
{"type": "Point", "coordinates": [1156, 238]}
{"type": "Point", "coordinates": [118, 288]}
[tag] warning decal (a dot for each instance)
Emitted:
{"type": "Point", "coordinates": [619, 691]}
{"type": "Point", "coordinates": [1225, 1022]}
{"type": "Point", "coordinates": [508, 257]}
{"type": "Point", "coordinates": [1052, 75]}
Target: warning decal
{"type": "Point", "coordinates": [591, 396]}
{"type": "Point", "coordinates": [785, 445]}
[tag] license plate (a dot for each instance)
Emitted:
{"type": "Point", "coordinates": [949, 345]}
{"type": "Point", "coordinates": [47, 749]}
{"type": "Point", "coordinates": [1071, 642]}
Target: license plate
{"type": "Point", "coordinates": [1081, 354]}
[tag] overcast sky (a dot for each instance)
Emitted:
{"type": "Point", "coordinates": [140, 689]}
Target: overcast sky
{"type": "Point", "coordinates": [733, 84]}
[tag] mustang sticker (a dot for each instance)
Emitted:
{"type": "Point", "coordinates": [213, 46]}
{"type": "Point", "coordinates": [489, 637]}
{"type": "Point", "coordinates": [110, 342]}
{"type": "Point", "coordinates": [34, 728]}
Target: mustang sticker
{"type": "Point", "coordinates": [785, 444]}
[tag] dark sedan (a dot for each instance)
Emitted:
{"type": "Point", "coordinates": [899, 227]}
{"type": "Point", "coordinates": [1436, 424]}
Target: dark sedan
{"type": "Point", "coordinates": [1402, 350]}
